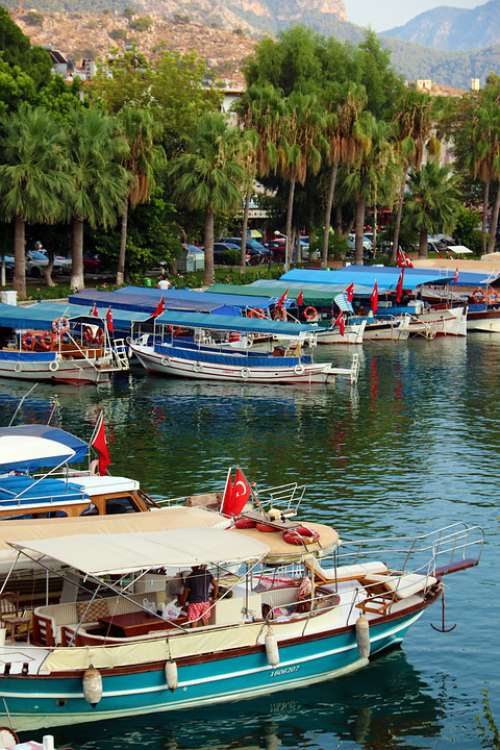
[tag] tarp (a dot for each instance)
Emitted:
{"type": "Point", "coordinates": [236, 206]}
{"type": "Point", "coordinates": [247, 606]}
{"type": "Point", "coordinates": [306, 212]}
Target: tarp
{"type": "Point", "coordinates": [272, 290]}
{"type": "Point", "coordinates": [41, 315]}
{"type": "Point", "coordinates": [465, 278]}
{"type": "Point", "coordinates": [43, 492]}
{"type": "Point", "coordinates": [141, 302]}
{"type": "Point", "coordinates": [386, 277]}
{"type": "Point", "coordinates": [97, 555]}
{"type": "Point", "coordinates": [234, 323]}
{"type": "Point", "coordinates": [190, 295]}
{"type": "Point", "coordinates": [29, 447]}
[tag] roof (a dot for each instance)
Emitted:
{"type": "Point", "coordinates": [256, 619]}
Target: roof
{"type": "Point", "coordinates": [29, 447]}
{"type": "Point", "coordinates": [21, 491]}
{"type": "Point", "coordinates": [96, 555]}
{"type": "Point", "coordinates": [93, 484]}
{"type": "Point", "coordinates": [41, 315]}
{"type": "Point", "coordinates": [280, 552]}
{"type": "Point", "coordinates": [272, 291]}
{"type": "Point", "coordinates": [193, 297]}
{"type": "Point", "coordinates": [465, 278]}
{"type": "Point", "coordinates": [386, 277]}
{"type": "Point", "coordinates": [234, 323]}
{"type": "Point", "coordinates": [145, 303]}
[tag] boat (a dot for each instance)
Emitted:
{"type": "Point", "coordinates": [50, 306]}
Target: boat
{"type": "Point", "coordinates": [211, 357]}
{"type": "Point", "coordinates": [78, 351]}
{"type": "Point", "coordinates": [353, 334]}
{"type": "Point", "coordinates": [115, 650]}
{"type": "Point", "coordinates": [440, 320]}
{"type": "Point", "coordinates": [483, 319]}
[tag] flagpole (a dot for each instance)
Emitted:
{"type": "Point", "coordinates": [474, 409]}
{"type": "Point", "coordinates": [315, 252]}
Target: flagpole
{"type": "Point", "coordinates": [96, 426]}
{"type": "Point", "coordinates": [228, 479]}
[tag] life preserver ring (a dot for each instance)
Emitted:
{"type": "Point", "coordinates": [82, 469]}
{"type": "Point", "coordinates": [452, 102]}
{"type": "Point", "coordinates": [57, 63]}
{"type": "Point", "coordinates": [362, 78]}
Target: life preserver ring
{"type": "Point", "coordinates": [18, 367]}
{"type": "Point", "coordinates": [300, 535]}
{"type": "Point", "coordinates": [265, 528]}
{"type": "Point", "coordinates": [245, 373]}
{"type": "Point", "coordinates": [478, 296]}
{"type": "Point", "coordinates": [300, 369]}
{"type": "Point", "coordinates": [245, 523]}
{"type": "Point", "coordinates": [493, 298]}
{"type": "Point", "coordinates": [256, 312]}
{"type": "Point", "coordinates": [311, 314]}
{"type": "Point", "coordinates": [197, 367]}
{"type": "Point", "coordinates": [28, 341]}
{"type": "Point", "coordinates": [46, 341]}
{"type": "Point", "coordinates": [54, 365]}
{"type": "Point", "coordinates": [60, 325]}
{"type": "Point", "coordinates": [165, 361]}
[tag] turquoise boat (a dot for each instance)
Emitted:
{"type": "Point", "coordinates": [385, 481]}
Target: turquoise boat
{"type": "Point", "coordinates": [125, 647]}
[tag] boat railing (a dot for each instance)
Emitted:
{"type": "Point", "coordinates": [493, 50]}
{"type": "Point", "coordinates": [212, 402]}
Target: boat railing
{"type": "Point", "coordinates": [287, 498]}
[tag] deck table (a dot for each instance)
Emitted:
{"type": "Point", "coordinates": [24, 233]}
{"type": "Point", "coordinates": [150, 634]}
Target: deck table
{"type": "Point", "coordinates": [137, 623]}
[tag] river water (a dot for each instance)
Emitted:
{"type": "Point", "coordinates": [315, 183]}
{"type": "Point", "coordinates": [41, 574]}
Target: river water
{"type": "Point", "coordinates": [413, 447]}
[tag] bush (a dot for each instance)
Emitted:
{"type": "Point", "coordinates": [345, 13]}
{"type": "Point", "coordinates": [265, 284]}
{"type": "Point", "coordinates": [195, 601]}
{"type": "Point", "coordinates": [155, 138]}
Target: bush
{"type": "Point", "coordinates": [228, 258]}
{"type": "Point", "coordinates": [142, 23]}
{"type": "Point", "coordinates": [118, 34]}
{"type": "Point", "coordinates": [32, 18]}
{"type": "Point", "coordinates": [468, 229]}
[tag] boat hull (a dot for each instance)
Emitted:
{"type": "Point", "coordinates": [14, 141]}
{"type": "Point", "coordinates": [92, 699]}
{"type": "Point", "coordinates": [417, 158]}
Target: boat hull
{"type": "Point", "coordinates": [199, 370]}
{"type": "Point", "coordinates": [54, 370]}
{"type": "Point", "coordinates": [487, 321]}
{"type": "Point", "coordinates": [353, 335]}
{"type": "Point", "coordinates": [393, 330]}
{"type": "Point", "coordinates": [445, 322]}
{"type": "Point", "coordinates": [34, 702]}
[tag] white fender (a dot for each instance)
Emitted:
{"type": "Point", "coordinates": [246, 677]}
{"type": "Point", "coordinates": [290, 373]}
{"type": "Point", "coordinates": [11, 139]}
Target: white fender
{"type": "Point", "coordinates": [272, 649]}
{"type": "Point", "coordinates": [92, 686]}
{"type": "Point", "coordinates": [363, 636]}
{"type": "Point", "coordinates": [171, 675]}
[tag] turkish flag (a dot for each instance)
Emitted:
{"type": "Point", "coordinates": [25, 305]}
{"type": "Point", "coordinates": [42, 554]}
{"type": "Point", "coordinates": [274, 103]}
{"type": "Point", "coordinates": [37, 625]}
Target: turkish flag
{"type": "Point", "coordinates": [160, 308]}
{"type": "Point", "coordinates": [109, 320]}
{"type": "Point", "coordinates": [399, 288]}
{"type": "Point", "coordinates": [100, 444]}
{"type": "Point", "coordinates": [282, 299]}
{"type": "Point", "coordinates": [350, 292]}
{"type": "Point", "coordinates": [340, 323]}
{"type": "Point", "coordinates": [456, 276]}
{"type": "Point", "coordinates": [300, 298]}
{"type": "Point", "coordinates": [374, 298]}
{"type": "Point", "coordinates": [236, 494]}
{"type": "Point", "coordinates": [403, 261]}
{"type": "Point", "coordinates": [94, 311]}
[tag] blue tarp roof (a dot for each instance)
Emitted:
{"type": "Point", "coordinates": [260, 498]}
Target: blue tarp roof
{"type": "Point", "coordinates": [41, 315]}
{"type": "Point", "coordinates": [35, 452]}
{"type": "Point", "coordinates": [141, 302]}
{"type": "Point", "coordinates": [234, 323]}
{"type": "Point", "coordinates": [465, 278]}
{"type": "Point", "coordinates": [190, 295]}
{"type": "Point", "coordinates": [387, 278]}
{"type": "Point", "coordinates": [45, 491]}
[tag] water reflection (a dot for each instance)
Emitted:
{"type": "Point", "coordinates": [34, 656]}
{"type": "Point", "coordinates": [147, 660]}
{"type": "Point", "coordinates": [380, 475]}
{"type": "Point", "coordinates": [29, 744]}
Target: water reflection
{"type": "Point", "coordinates": [380, 708]}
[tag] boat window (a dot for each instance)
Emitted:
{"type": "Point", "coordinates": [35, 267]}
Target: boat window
{"type": "Point", "coordinates": [120, 505]}
{"type": "Point", "coordinates": [90, 511]}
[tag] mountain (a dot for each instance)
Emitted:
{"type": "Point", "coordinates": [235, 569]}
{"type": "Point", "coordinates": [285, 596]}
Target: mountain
{"type": "Point", "coordinates": [453, 29]}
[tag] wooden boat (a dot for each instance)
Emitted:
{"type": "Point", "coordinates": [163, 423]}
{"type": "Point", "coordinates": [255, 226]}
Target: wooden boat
{"type": "Point", "coordinates": [76, 352]}
{"type": "Point", "coordinates": [440, 320]}
{"type": "Point", "coordinates": [353, 334]}
{"type": "Point", "coordinates": [137, 651]}
{"type": "Point", "coordinates": [483, 318]}
{"type": "Point", "coordinates": [390, 328]}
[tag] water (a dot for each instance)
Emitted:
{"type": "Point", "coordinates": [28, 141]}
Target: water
{"type": "Point", "coordinates": [414, 447]}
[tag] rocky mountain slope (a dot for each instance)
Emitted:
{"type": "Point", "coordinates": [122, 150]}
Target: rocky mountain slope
{"type": "Point", "coordinates": [453, 29]}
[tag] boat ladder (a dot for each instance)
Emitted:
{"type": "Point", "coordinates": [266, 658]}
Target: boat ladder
{"type": "Point", "coordinates": [120, 354]}
{"type": "Point", "coordinates": [351, 372]}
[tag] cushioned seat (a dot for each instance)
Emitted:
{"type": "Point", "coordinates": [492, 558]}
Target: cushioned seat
{"type": "Point", "coordinates": [403, 586]}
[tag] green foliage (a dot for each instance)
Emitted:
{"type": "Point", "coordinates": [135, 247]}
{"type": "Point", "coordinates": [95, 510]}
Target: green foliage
{"type": "Point", "coordinates": [15, 86]}
{"type": "Point", "coordinates": [229, 258]}
{"type": "Point", "coordinates": [141, 23]}
{"type": "Point", "coordinates": [17, 51]}
{"type": "Point", "coordinates": [468, 229]}
{"type": "Point", "coordinates": [118, 35]}
{"type": "Point", "coordinates": [32, 18]}
{"type": "Point", "coordinates": [434, 198]}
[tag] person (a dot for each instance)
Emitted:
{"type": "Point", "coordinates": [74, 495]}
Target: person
{"type": "Point", "coordinates": [163, 282]}
{"type": "Point", "coordinates": [196, 594]}
{"type": "Point", "coordinates": [304, 595]}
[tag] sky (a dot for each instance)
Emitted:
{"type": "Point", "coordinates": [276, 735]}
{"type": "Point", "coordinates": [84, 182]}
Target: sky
{"type": "Point", "coordinates": [384, 14]}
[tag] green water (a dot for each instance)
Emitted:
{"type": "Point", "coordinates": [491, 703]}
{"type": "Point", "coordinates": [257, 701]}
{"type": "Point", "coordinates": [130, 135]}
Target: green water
{"type": "Point", "coordinates": [415, 446]}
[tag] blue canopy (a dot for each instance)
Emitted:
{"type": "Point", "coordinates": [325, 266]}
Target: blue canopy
{"type": "Point", "coordinates": [41, 315]}
{"type": "Point", "coordinates": [234, 323]}
{"type": "Point", "coordinates": [428, 275]}
{"type": "Point", "coordinates": [190, 296]}
{"type": "Point", "coordinates": [142, 302]}
{"type": "Point", "coordinates": [29, 447]}
{"type": "Point", "coordinates": [385, 276]}
{"type": "Point", "coordinates": [44, 492]}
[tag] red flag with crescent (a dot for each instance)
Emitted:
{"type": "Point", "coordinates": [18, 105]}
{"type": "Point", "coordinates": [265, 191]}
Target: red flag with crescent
{"type": "Point", "coordinates": [340, 323]}
{"type": "Point", "coordinates": [109, 320]}
{"type": "Point", "coordinates": [350, 292]}
{"type": "Point", "coordinates": [100, 445]}
{"type": "Point", "coordinates": [374, 298]}
{"type": "Point", "coordinates": [282, 299]}
{"type": "Point", "coordinates": [160, 308]}
{"type": "Point", "coordinates": [300, 298]}
{"type": "Point", "coordinates": [399, 288]}
{"type": "Point", "coordinates": [94, 311]}
{"type": "Point", "coordinates": [236, 494]}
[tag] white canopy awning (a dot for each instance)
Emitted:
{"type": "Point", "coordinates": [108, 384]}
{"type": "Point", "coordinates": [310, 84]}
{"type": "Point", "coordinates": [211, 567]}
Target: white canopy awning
{"type": "Point", "coordinates": [17, 449]}
{"type": "Point", "coordinates": [459, 250]}
{"type": "Point", "coordinates": [97, 555]}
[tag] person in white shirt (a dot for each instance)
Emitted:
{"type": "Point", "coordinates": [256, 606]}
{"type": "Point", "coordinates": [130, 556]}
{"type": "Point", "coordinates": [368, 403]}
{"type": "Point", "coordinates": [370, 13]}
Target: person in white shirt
{"type": "Point", "coordinates": [163, 282]}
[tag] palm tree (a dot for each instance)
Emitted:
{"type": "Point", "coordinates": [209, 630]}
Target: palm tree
{"type": "Point", "coordinates": [414, 136]}
{"type": "Point", "coordinates": [358, 180]}
{"type": "Point", "coordinates": [434, 201]}
{"type": "Point", "coordinates": [249, 143]}
{"type": "Point", "coordinates": [347, 140]}
{"type": "Point", "coordinates": [97, 150]}
{"type": "Point", "coordinates": [143, 160]}
{"type": "Point", "coordinates": [33, 177]}
{"type": "Point", "coordinates": [208, 176]}
{"type": "Point", "coordinates": [300, 143]}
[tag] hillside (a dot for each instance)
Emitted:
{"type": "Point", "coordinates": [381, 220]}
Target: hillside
{"type": "Point", "coordinates": [453, 29]}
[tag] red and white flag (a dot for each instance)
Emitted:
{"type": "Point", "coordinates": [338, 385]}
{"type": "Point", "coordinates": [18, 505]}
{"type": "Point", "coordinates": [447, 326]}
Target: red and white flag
{"type": "Point", "coordinates": [399, 287]}
{"type": "Point", "coordinates": [109, 320]}
{"type": "Point", "coordinates": [160, 308]}
{"type": "Point", "coordinates": [282, 299]}
{"type": "Point", "coordinates": [236, 493]}
{"type": "Point", "coordinates": [402, 260]}
{"type": "Point", "coordinates": [100, 445]}
{"type": "Point", "coordinates": [456, 276]}
{"type": "Point", "coordinates": [374, 298]}
{"type": "Point", "coordinates": [300, 298]}
{"type": "Point", "coordinates": [340, 323]}
{"type": "Point", "coordinates": [94, 311]}
{"type": "Point", "coordinates": [350, 292]}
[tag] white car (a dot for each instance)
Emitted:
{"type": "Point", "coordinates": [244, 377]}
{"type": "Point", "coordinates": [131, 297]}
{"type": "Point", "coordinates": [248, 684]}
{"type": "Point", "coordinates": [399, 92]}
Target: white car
{"type": "Point", "coordinates": [38, 260]}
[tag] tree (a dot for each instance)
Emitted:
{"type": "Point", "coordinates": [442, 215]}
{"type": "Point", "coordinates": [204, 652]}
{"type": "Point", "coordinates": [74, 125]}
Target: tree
{"type": "Point", "coordinates": [434, 201]}
{"type": "Point", "coordinates": [249, 142]}
{"type": "Point", "coordinates": [207, 177]}
{"type": "Point", "coordinates": [142, 161]}
{"type": "Point", "coordinates": [33, 177]}
{"type": "Point", "coordinates": [100, 183]}
{"type": "Point", "coordinates": [18, 51]}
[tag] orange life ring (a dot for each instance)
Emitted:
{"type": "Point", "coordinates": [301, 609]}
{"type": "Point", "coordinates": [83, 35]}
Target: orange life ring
{"type": "Point", "coordinates": [300, 535]}
{"type": "Point", "coordinates": [46, 341]}
{"type": "Point", "coordinates": [311, 314]}
{"type": "Point", "coordinates": [265, 528]}
{"type": "Point", "coordinates": [493, 298]}
{"type": "Point", "coordinates": [256, 312]}
{"type": "Point", "coordinates": [478, 296]}
{"type": "Point", "coordinates": [245, 523]}
{"type": "Point", "coordinates": [91, 339]}
{"type": "Point", "coordinates": [28, 341]}
{"type": "Point", "coordinates": [60, 325]}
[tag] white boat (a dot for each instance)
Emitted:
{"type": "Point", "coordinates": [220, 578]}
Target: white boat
{"type": "Point", "coordinates": [485, 320]}
{"type": "Point", "coordinates": [440, 321]}
{"type": "Point", "coordinates": [391, 329]}
{"type": "Point", "coordinates": [353, 334]}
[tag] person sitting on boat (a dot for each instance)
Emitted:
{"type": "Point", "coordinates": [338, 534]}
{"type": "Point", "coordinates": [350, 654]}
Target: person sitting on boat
{"type": "Point", "coordinates": [304, 595]}
{"type": "Point", "coordinates": [163, 282]}
{"type": "Point", "coordinates": [196, 594]}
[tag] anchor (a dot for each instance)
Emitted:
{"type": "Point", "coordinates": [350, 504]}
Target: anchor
{"type": "Point", "coordinates": [443, 628]}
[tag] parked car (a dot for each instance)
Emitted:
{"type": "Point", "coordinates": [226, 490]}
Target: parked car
{"type": "Point", "coordinates": [227, 253]}
{"type": "Point", "coordinates": [92, 263]}
{"type": "Point", "coordinates": [38, 260]}
{"type": "Point", "coordinates": [257, 251]}
{"type": "Point", "coordinates": [367, 245]}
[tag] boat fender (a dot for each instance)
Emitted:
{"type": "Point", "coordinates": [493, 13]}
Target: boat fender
{"type": "Point", "coordinates": [245, 523]}
{"type": "Point", "coordinates": [363, 636]}
{"type": "Point", "coordinates": [197, 367]}
{"type": "Point", "coordinates": [245, 373]}
{"type": "Point", "coordinates": [265, 528]}
{"type": "Point", "coordinates": [171, 675]}
{"type": "Point", "coordinates": [300, 535]}
{"type": "Point", "coordinates": [299, 369]}
{"type": "Point", "coordinates": [54, 365]}
{"type": "Point", "coordinates": [18, 367]}
{"type": "Point", "coordinates": [92, 686]}
{"type": "Point", "coordinates": [272, 649]}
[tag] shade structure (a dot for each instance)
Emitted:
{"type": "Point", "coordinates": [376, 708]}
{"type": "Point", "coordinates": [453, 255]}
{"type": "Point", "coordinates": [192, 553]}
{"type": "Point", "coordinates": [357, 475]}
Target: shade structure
{"type": "Point", "coordinates": [193, 297]}
{"type": "Point", "coordinates": [41, 315]}
{"type": "Point", "coordinates": [140, 302]}
{"type": "Point", "coordinates": [16, 491]}
{"type": "Point", "coordinates": [234, 323]}
{"type": "Point", "coordinates": [126, 553]}
{"type": "Point", "coordinates": [385, 276]}
{"type": "Point", "coordinates": [29, 447]}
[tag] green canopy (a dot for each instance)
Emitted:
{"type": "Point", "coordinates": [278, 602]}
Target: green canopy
{"type": "Point", "coordinates": [274, 289]}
